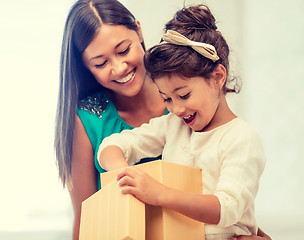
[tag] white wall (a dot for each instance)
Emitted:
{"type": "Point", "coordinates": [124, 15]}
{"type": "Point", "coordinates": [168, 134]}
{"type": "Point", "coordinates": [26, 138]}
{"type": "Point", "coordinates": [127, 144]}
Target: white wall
{"type": "Point", "coordinates": [273, 86]}
{"type": "Point", "coordinates": [32, 198]}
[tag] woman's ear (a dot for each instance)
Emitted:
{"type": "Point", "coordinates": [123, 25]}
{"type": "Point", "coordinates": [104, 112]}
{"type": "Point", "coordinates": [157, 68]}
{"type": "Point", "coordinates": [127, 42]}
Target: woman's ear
{"type": "Point", "coordinates": [219, 76]}
{"type": "Point", "coordinates": [139, 31]}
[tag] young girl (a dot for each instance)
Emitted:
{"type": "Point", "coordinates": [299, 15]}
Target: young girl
{"type": "Point", "coordinates": [190, 69]}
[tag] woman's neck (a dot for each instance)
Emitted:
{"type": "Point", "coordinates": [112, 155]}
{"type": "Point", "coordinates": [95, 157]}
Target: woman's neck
{"type": "Point", "coordinates": [148, 98]}
{"type": "Point", "coordinates": [141, 108]}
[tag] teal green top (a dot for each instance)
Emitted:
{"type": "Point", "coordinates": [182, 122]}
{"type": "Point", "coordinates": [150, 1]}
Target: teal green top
{"type": "Point", "coordinates": [100, 119]}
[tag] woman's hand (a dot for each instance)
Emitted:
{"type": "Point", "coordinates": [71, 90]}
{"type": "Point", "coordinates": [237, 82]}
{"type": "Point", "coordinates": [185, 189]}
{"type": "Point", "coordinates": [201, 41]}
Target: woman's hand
{"type": "Point", "coordinates": [261, 236]}
{"type": "Point", "coordinates": [250, 237]}
{"type": "Point", "coordinates": [141, 185]}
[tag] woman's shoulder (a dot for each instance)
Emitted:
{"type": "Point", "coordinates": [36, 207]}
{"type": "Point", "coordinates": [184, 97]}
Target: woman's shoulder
{"type": "Point", "coordinates": [99, 116]}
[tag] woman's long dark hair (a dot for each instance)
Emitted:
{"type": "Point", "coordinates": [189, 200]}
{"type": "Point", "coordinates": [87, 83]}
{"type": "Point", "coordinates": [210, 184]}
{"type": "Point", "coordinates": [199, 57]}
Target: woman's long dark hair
{"type": "Point", "coordinates": [76, 81]}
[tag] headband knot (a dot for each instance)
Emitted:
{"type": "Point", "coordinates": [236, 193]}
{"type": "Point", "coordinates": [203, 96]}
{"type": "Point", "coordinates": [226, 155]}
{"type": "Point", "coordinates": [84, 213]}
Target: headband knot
{"type": "Point", "coordinates": [204, 49]}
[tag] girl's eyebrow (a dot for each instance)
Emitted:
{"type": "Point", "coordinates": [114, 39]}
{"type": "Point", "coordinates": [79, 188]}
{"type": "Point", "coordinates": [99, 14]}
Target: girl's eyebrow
{"type": "Point", "coordinates": [99, 56]}
{"type": "Point", "coordinates": [176, 89]}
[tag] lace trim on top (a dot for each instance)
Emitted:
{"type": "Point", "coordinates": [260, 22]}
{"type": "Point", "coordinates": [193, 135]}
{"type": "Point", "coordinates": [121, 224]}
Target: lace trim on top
{"type": "Point", "coordinates": [94, 104]}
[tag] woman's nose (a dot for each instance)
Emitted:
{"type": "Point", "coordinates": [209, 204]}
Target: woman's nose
{"type": "Point", "coordinates": [119, 67]}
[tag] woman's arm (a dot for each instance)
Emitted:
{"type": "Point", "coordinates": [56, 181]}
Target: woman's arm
{"type": "Point", "coordinates": [83, 176]}
{"type": "Point", "coordinates": [261, 236]}
{"type": "Point", "coordinates": [204, 208]}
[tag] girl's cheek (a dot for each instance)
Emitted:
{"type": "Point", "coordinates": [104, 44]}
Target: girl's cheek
{"type": "Point", "coordinates": [169, 107]}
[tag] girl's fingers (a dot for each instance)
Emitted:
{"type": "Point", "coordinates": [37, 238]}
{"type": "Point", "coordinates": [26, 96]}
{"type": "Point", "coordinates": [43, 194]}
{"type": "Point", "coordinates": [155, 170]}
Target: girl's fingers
{"type": "Point", "coordinates": [127, 190]}
{"type": "Point", "coordinates": [126, 181]}
{"type": "Point", "coordinates": [129, 171]}
{"type": "Point", "coordinates": [122, 173]}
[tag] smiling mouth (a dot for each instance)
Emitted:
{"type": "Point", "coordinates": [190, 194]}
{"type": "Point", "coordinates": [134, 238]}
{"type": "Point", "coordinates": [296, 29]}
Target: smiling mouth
{"type": "Point", "coordinates": [126, 78]}
{"type": "Point", "coordinates": [189, 118]}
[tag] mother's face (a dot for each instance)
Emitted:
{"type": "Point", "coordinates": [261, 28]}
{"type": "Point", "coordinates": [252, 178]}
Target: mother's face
{"type": "Point", "coordinates": [115, 58]}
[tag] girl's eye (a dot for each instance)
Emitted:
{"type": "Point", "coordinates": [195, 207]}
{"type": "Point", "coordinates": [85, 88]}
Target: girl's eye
{"type": "Point", "coordinates": [167, 99]}
{"type": "Point", "coordinates": [125, 51]}
{"type": "Point", "coordinates": [185, 96]}
{"type": "Point", "coordinates": [101, 65]}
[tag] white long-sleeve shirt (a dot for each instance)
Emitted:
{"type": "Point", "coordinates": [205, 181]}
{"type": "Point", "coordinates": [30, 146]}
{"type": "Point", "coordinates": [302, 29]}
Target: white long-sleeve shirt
{"type": "Point", "coordinates": [231, 157]}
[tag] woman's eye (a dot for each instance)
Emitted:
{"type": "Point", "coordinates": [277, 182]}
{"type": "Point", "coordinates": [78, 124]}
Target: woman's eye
{"type": "Point", "coordinates": [185, 96]}
{"type": "Point", "coordinates": [101, 65]}
{"type": "Point", "coordinates": [125, 51]}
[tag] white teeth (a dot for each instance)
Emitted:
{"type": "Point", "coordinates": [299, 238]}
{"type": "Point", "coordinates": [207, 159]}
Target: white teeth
{"type": "Point", "coordinates": [188, 117]}
{"type": "Point", "coordinates": [126, 78]}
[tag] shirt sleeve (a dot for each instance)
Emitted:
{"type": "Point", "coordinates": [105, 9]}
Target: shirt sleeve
{"type": "Point", "coordinates": [242, 161]}
{"type": "Point", "coordinates": [145, 141]}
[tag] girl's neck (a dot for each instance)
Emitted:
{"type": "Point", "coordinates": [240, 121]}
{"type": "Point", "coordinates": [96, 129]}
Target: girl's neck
{"type": "Point", "coordinates": [223, 115]}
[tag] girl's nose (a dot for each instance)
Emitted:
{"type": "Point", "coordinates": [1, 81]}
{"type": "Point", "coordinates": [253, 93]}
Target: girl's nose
{"type": "Point", "coordinates": [178, 109]}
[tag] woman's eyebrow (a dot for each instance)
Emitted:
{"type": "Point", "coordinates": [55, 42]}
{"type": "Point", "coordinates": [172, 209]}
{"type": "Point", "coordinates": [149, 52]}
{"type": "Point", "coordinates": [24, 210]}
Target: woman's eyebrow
{"type": "Point", "coordinates": [101, 55]}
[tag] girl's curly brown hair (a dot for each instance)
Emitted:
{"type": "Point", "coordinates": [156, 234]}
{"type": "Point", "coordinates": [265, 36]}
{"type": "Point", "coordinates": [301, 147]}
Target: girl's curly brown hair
{"type": "Point", "coordinates": [197, 23]}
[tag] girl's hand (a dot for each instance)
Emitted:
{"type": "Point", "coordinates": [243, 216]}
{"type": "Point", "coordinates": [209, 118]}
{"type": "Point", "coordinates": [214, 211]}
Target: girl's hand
{"type": "Point", "coordinates": [204, 208]}
{"type": "Point", "coordinates": [141, 185]}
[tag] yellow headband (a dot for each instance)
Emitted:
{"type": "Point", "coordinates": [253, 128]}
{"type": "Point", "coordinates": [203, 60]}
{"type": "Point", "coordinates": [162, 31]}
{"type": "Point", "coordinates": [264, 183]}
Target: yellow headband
{"type": "Point", "coordinates": [204, 49]}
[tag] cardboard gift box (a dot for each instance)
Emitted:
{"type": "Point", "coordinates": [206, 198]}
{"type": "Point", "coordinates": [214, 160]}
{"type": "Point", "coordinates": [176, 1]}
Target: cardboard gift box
{"type": "Point", "coordinates": [110, 215]}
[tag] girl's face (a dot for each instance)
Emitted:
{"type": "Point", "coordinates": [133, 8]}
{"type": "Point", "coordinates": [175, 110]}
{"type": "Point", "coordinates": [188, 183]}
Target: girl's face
{"type": "Point", "coordinates": [115, 58]}
{"type": "Point", "coordinates": [195, 100]}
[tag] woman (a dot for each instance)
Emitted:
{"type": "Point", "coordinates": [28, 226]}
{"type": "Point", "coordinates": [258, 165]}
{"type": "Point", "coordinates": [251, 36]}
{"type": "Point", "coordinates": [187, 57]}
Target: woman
{"type": "Point", "coordinates": [103, 90]}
